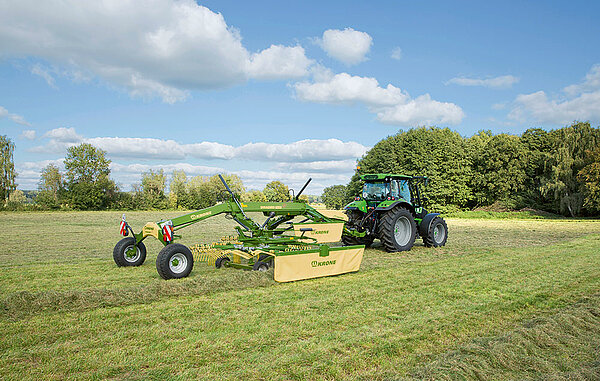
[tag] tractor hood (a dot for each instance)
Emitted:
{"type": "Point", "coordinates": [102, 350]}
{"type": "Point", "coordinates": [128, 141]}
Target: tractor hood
{"type": "Point", "coordinates": [357, 205]}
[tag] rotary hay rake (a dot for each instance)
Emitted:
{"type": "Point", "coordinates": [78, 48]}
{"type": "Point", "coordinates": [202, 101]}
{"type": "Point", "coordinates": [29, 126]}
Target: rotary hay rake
{"type": "Point", "coordinates": [296, 250]}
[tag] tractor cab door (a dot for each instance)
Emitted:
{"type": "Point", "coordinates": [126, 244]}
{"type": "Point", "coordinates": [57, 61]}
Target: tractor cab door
{"type": "Point", "coordinates": [404, 190]}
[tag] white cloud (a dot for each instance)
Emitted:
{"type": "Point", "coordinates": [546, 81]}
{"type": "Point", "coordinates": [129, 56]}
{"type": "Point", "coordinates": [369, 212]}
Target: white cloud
{"type": "Point", "coordinates": [190, 169]}
{"type": "Point", "coordinates": [591, 82]}
{"type": "Point", "coordinates": [501, 82]}
{"type": "Point", "coordinates": [151, 148]}
{"type": "Point", "coordinates": [421, 110]}
{"type": "Point", "coordinates": [14, 117]}
{"type": "Point", "coordinates": [390, 104]}
{"type": "Point", "coordinates": [28, 173]}
{"type": "Point", "coordinates": [279, 62]}
{"type": "Point", "coordinates": [303, 150]}
{"type": "Point", "coordinates": [28, 134]}
{"type": "Point", "coordinates": [579, 102]}
{"type": "Point", "coordinates": [396, 54]}
{"type": "Point", "coordinates": [344, 88]}
{"type": "Point", "coordinates": [334, 166]}
{"type": "Point", "coordinates": [37, 69]}
{"type": "Point", "coordinates": [348, 46]}
{"type": "Point", "coordinates": [164, 48]}
{"type": "Point", "coordinates": [295, 180]}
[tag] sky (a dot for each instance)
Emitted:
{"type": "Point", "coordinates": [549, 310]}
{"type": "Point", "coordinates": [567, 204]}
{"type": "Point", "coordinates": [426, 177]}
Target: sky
{"type": "Point", "coordinates": [273, 90]}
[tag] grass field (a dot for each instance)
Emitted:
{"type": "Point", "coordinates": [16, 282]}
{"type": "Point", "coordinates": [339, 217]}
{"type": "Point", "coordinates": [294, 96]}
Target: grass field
{"type": "Point", "coordinates": [506, 298]}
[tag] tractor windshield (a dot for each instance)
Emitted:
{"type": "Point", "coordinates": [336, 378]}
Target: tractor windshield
{"type": "Point", "coordinates": [382, 190]}
{"type": "Point", "coordinates": [376, 191]}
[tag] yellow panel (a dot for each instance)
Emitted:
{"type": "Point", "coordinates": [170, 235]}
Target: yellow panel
{"type": "Point", "coordinates": [150, 229]}
{"type": "Point", "coordinates": [323, 233]}
{"type": "Point", "coordinates": [311, 265]}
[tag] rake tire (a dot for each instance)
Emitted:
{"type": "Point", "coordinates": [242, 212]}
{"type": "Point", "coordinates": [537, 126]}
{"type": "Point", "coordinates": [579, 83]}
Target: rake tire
{"type": "Point", "coordinates": [397, 229]}
{"type": "Point", "coordinates": [174, 261]}
{"type": "Point", "coordinates": [122, 253]}
{"type": "Point", "coordinates": [260, 266]}
{"type": "Point", "coordinates": [221, 262]}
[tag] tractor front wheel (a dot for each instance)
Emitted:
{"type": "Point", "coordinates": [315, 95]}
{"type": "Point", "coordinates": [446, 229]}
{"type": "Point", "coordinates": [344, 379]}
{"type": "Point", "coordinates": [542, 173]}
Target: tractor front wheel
{"type": "Point", "coordinates": [397, 229]}
{"type": "Point", "coordinates": [174, 261]}
{"type": "Point", "coordinates": [437, 234]}
{"type": "Point", "coordinates": [127, 253]}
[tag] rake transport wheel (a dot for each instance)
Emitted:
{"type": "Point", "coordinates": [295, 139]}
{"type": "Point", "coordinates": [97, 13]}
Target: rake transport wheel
{"type": "Point", "coordinates": [174, 261]}
{"type": "Point", "coordinates": [260, 266]}
{"type": "Point", "coordinates": [397, 229]}
{"type": "Point", "coordinates": [437, 234]}
{"type": "Point", "coordinates": [221, 262]}
{"type": "Point", "coordinates": [127, 253]}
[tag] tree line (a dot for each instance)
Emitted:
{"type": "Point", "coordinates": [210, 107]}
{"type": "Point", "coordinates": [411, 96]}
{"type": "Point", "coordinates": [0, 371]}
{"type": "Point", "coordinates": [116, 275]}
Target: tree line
{"type": "Point", "coordinates": [556, 171]}
{"type": "Point", "coordinates": [85, 184]}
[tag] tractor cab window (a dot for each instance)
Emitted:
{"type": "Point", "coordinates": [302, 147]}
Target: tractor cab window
{"type": "Point", "coordinates": [395, 191]}
{"type": "Point", "coordinates": [404, 190]}
{"type": "Point", "coordinates": [375, 191]}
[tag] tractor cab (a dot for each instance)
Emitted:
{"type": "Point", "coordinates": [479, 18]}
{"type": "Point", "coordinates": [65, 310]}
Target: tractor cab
{"type": "Point", "coordinates": [388, 189]}
{"type": "Point", "coordinates": [384, 188]}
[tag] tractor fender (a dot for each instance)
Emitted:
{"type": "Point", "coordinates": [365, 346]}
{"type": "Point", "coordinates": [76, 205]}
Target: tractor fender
{"type": "Point", "coordinates": [402, 203]}
{"type": "Point", "coordinates": [426, 223]}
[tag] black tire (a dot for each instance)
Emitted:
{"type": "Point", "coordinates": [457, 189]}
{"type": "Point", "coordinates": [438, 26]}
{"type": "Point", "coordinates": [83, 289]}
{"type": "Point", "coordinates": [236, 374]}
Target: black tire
{"type": "Point", "coordinates": [348, 240]}
{"type": "Point", "coordinates": [260, 266]}
{"type": "Point", "coordinates": [266, 258]}
{"type": "Point", "coordinates": [124, 254]}
{"type": "Point", "coordinates": [221, 262]}
{"type": "Point", "coordinates": [437, 234]}
{"type": "Point", "coordinates": [397, 229]}
{"type": "Point", "coordinates": [174, 261]}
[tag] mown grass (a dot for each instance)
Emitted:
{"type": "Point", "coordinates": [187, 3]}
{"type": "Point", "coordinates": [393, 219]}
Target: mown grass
{"type": "Point", "coordinates": [510, 215]}
{"type": "Point", "coordinates": [66, 311]}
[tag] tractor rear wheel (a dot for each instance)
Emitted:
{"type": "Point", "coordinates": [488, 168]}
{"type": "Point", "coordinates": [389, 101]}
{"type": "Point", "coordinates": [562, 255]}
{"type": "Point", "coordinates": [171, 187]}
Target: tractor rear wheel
{"type": "Point", "coordinates": [397, 229]}
{"type": "Point", "coordinates": [174, 261]}
{"type": "Point", "coordinates": [127, 253]}
{"type": "Point", "coordinates": [437, 234]}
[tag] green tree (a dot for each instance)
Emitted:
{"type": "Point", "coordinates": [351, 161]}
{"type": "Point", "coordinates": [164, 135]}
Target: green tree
{"type": "Point", "coordinates": [177, 190]}
{"type": "Point", "coordinates": [499, 171]}
{"type": "Point", "coordinates": [7, 168]}
{"type": "Point", "coordinates": [254, 195]}
{"type": "Point", "coordinates": [335, 196]}
{"type": "Point", "coordinates": [87, 177]}
{"type": "Point", "coordinates": [539, 146]}
{"type": "Point", "coordinates": [205, 191]}
{"type": "Point", "coordinates": [153, 189]}
{"type": "Point", "coordinates": [590, 177]}
{"type": "Point", "coordinates": [276, 191]}
{"type": "Point", "coordinates": [17, 196]}
{"type": "Point", "coordinates": [569, 157]}
{"type": "Point", "coordinates": [50, 187]}
{"type": "Point", "coordinates": [441, 154]}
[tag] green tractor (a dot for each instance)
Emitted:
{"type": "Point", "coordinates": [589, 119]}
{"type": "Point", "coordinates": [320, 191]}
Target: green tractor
{"type": "Point", "coordinates": [391, 209]}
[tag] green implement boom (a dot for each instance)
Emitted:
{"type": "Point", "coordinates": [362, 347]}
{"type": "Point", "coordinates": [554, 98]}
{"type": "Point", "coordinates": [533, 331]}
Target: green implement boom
{"type": "Point", "coordinates": [297, 250]}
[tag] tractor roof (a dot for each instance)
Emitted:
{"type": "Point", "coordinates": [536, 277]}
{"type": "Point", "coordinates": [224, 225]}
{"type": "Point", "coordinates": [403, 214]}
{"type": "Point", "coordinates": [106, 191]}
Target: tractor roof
{"type": "Point", "coordinates": [384, 176]}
